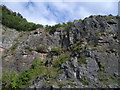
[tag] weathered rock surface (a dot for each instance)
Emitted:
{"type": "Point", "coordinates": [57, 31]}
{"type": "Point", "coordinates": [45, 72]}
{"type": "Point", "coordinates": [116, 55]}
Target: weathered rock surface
{"type": "Point", "coordinates": [98, 38]}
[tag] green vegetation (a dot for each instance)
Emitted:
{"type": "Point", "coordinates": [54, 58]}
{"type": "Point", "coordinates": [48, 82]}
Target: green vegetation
{"type": "Point", "coordinates": [4, 56]}
{"type": "Point", "coordinates": [16, 81]}
{"type": "Point", "coordinates": [56, 50]}
{"type": "Point", "coordinates": [114, 80]}
{"type": "Point", "coordinates": [60, 83]}
{"type": "Point", "coordinates": [98, 33]}
{"type": "Point", "coordinates": [28, 48]}
{"type": "Point", "coordinates": [104, 81]}
{"type": "Point", "coordinates": [102, 66]}
{"type": "Point", "coordinates": [16, 21]}
{"type": "Point", "coordinates": [52, 29]}
{"type": "Point", "coordinates": [112, 77]}
{"type": "Point", "coordinates": [77, 48]}
{"type": "Point", "coordinates": [62, 58]}
{"type": "Point", "coordinates": [8, 80]}
{"type": "Point", "coordinates": [78, 20]}
{"type": "Point", "coordinates": [84, 80]}
{"type": "Point", "coordinates": [21, 24]}
{"type": "Point", "coordinates": [65, 83]}
{"type": "Point", "coordinates": [103, 78]}
{"type": "Point", "coordinates": [16, 39]}
{"type": "Point", "coordinates": [41, 49]}
{"type": "Point", "coordinates": [108, 80]}
{"type": "Point", "coordinates": [13, 47]}
{"type": "Point", "coordinates": [82, 59]}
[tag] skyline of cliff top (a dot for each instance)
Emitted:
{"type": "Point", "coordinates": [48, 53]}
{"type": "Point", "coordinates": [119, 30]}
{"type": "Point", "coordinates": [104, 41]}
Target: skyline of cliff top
{"type": "Point", "coordinates": [51, 13]}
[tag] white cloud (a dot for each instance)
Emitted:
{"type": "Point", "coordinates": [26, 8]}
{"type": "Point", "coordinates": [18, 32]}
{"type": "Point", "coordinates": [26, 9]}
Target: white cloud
{"type": "Point", "coordinates": [57, 12]}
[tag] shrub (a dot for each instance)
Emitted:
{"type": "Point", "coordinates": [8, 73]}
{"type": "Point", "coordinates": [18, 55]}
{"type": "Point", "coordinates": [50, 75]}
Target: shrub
{"type": "Point", "coordinates": [52, 29]}
{"type": "Point", "coordinates": [84, 80]}
{"type": "Point", "coordinates": [4, 56]}
{"type": "Point", "coordinates": [28, 48]}
{"type": "Point", "coordinates": [16, 81]}
{"type": "Point", "coordinates": [82, 59]}
{"type": "Point", "coordinates": [52, 72]}
{"type": "Point", "coordinates": [56, 50]}
{"type": "Point", "coordinates": [102, 66]}
{"type": "Point", "coordinates": [62, 58]}
{"type": "Point", "coordinates": [41, 49]}
{"type": "Point", "coordinates": [13, 47]}
{"type": "Point", "coordinates": [9, 79]}
{"type": "Point", "coordinates": [77, 48]}
{"type": "Point", "coordinates": [77, 20]}
{"type": "Point", "coordinates": [104, 81]}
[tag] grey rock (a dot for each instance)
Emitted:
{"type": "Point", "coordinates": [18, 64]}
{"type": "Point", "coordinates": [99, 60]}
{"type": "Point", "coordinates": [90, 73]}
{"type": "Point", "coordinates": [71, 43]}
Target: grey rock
{"type": "Point", "coordinates": [98, 37]}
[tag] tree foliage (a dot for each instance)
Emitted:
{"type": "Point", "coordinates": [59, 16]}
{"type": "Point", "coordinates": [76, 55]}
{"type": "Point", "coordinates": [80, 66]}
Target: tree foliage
{"type": "Point", "coordinates": [16, 21]}
{"type": "Point", "coordinates": [52, 29]}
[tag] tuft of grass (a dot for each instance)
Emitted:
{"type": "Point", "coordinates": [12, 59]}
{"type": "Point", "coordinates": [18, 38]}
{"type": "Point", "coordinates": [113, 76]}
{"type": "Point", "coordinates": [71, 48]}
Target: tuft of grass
{"type": "Point", "coordinates": [82, 59]}
{"type": "Point", "coordinates": [41, 49]}
{"type": "Point", "coordinates": [84, 80]}
{"type": "Point", "coordinates": [104, 81]}
{"type": "Point", "coordinates": [3, 56]}
{"type": "Point", "coordinates": [77, 48]}
{"type": "Point", "coordinates": [56, 50]}
{"type": "Point", "coordinates": [28, 48]}
{"type": "Point", "coordinates": [12, 48]}
{"type": "Point", "coordinates": [102, 66]}
{"type": "Point", "coordinates": [62, 59]}
{"type": "Point", "coordinates": [64, 83]}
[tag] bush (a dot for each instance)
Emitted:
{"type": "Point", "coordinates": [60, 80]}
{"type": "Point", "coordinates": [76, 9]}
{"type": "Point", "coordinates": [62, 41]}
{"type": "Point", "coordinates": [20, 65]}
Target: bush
{"type": "Point", "coordinates": [41, 49]}
{"type": "Point", "coordinates": [16, 81]}
{"type": "Point", "coordinates": [77, 48]}
{"type": "Point", "coordinates": [12, 48]}
{"type": "Point", "coordinates": [9, 79]}
{"type": "Point", "coordinates": [82, 59]}
{"type": "Point", "coordinates": [28, 48]}
{"type": "Point", "coordinates": [62, 59]}
{"type": "Point", "coordinates": [36, 63]}
{"type": "Point", "coordinates": [84, 80]}
{"type": "Point", "coordinates": [52, 29]}
{"type": "Point", "coordinates": [102, 66]}
{"type": "Point", "coordinates": [56, 50]}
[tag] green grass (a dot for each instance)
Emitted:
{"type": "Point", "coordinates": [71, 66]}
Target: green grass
{"type": "Point", "coordinates": [82, 59]}
{"type": "Point", "coordinates": [28, 48]}
{"type": "Point", "coordinates": [13, 47]}
{"type": "Point", "coordinates": [77, 48]}
{"type": "Point", "coordinates": [56, 50]}
{"type": "Point", "coordinates": [41, 49]}
{"type": "Point", "coordinates": [102, 66]}
{"type": "Point", "coordinates": [84, 80]}
{"type": "Point", "coordinates": [62, 59]}
{"type": "Point", "coordinates": [17, 81]}
{"type": "Point", "coordinates": [104, 81]}
{"type": "Point", "coordinates": [16, 39]}
{"type": "Point", "coordinates": [3, 56]}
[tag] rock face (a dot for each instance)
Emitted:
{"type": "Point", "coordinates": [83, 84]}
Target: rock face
{"type": "Point", "coordinates": [92, 42]}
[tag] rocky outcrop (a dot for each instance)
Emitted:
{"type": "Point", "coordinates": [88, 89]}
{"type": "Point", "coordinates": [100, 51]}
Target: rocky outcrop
{"type": "Point", "coordinates": [93, 44]}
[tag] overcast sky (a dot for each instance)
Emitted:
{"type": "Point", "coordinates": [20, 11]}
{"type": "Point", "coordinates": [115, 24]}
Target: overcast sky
{"type": "Point", "coordinates": [58, 12]}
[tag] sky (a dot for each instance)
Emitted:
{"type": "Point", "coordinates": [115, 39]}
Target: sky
{"type": "Point", "coordinates": [51, 13]}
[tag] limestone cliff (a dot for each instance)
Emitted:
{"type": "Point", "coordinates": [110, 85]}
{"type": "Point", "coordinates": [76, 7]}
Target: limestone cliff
{"type": "Point", "coordinates": [85, 53]}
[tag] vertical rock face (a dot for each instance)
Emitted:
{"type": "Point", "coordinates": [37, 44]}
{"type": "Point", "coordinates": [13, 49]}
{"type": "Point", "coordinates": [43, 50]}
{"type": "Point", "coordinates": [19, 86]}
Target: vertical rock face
{"type": "Point", "coordinates": [93, 44]}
